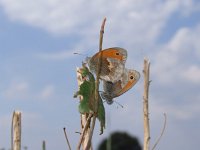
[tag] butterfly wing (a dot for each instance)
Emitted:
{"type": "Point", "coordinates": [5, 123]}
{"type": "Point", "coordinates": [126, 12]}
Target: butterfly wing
{"type": "Point", "coordinates": [113, 61]}
{"type": "Point", "coordinates": [127, 81]}
{"type": "Point", "coordinates": [109, 90]}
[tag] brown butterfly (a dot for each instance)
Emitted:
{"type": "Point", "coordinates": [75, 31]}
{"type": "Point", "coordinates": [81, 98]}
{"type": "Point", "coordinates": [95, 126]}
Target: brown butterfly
{"type": "Point", "coordinates": [114, 89]}
{"type": "Point", "coordinates": [113, 63]}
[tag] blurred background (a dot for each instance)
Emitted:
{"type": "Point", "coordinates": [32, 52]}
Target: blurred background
{"type": "Point", "coordinates": [38, 68]}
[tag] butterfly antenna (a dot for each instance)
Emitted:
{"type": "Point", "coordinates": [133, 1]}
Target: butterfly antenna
{"type": "Point", "coordinates": [119, 104]}
{"type": "Point", "coordinates": [75, 53]}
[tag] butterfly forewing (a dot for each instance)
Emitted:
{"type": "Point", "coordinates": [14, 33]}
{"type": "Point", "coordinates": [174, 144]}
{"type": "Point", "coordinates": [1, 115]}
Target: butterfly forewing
{"type": "Point", "coordinates": [113, 63]}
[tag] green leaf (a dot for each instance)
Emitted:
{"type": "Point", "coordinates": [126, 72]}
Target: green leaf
{"type": "Point", "coordinates": [101, 114]}
{"type": "Point", "coordinates": [87, 90]}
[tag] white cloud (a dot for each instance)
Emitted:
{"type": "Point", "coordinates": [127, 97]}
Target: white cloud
{"type": "Point", "coordinates": [31, 119]}
{"type": "Point", "coordinates": [176, 74]}
{"type": "Point", "coordinates": [173, 58]}
{"type": "Point", "coordinates": [17, 90]}
{"type": "Point", "coordinates": [181, 112]}
{"type": "Point", "coordinates": [186, 39]}
{"type": "Point", "coordinates": [140, 21]}
{"type": "Point", "coordinates": [24, 91]}
{"type": "Point", "coordinates": [47, 92]}
{"type": "Point", "coordinates": [189, 7]}
{"type": "Point", "coordinates": [192, 74]}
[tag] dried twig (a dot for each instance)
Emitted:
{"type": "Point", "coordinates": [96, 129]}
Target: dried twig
{"type": "Point", "coordinates": [145, 105]}
{"type": "Point", "coordinates": [84, 130]}
{"type": "Point", "coordinates": [97, 84]}
{"type": "Point", "coordinates": [163, 130]}
{"type": "Point", "coordinates": [16, 131]}
{"type": "Point", "coordinates": [101, 34]}
{"type": "Point", "coordinates": [64, 129]}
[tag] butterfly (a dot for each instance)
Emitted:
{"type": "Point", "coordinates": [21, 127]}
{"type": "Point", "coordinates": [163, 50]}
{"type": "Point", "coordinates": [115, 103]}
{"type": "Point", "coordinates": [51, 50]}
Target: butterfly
{"type": "Point", "coordinates": [112, 63]}
{"type": "Point", "coordinates": [114, 89]}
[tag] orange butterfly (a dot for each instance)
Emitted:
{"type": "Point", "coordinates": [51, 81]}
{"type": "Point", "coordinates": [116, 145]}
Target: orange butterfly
{"type": "Point", "coordinates": [113, 63]}
{"type": "Point", "coordinates": [114, 89]}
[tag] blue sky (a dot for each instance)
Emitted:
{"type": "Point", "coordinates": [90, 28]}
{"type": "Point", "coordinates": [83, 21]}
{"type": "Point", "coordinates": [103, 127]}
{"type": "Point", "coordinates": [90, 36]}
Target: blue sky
{"type": "Point", "coordinates": [37, 69]}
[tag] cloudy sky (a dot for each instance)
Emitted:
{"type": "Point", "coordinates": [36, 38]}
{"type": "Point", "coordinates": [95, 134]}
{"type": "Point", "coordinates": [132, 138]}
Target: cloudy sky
{"type": "Point", "coordinates": [38, 77]}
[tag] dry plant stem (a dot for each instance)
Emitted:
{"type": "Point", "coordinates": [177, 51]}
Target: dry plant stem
{"type": "Point", "coordinates": [163, 130]}
{"type": "Point", "coordinates": [101, 34]}
{"type": "Point", "coordinates": [64, 129]}
{"type": "Point", "coordinates": [84, 130]}
{"type": "Point", "coordinates": [97, 83]}
{"type": "Point", "coordinates": [16, 131]}
{"type": "Point", "coordinates": [146, 105]}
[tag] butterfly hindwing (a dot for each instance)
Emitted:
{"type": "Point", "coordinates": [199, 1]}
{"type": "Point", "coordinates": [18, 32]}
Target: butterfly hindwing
{"type": "Point", "coordinates": [112, 90]}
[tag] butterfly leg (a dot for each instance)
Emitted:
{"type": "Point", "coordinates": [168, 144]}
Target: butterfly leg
{"type": "Point", "coordinates": [76, 94]}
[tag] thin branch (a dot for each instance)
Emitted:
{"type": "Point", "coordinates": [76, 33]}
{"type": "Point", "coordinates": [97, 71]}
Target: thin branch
{"type": "Point", "coordinates": [84, 130]}
{"type": "Point", "coordinates": [97, 84]}
{"type": "Point", "coordinates": [16, 126]}
{"type": "Point", "coordinates": [146, 105]}
{"type": "Point", "coordinates": [64, 129]}
{"type": "Point", "coordinates": [101, 34]}
{"type": "Point", "coordinates": [163, 130]}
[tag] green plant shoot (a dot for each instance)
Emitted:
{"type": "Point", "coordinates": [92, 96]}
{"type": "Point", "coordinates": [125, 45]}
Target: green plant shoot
{"type": "Point", "coordinates": [87, 90]}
